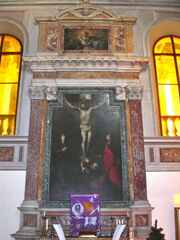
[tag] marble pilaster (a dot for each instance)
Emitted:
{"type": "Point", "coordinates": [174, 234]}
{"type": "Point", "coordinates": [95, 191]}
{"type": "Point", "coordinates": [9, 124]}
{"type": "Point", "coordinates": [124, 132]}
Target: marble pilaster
{"type": "Point", "coordinates": [29, 210]}
{"type": "Point", "coordinates": [134, 95]}
{"type": "Point", "coordinates": [35, 131]}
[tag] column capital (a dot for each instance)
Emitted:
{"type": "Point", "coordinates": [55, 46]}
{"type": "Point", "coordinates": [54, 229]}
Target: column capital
{"type": "Point", "coordinates": [134, 92]}
{"type": "Point", "coordinates": [37, 92]}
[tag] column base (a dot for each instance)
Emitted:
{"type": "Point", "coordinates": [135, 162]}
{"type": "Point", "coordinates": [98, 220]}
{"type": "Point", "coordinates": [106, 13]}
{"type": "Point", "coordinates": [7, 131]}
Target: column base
{"type": "Point", "coordinates": [29, 221]}
{"type": "Point", "coordinates": [141, 219]}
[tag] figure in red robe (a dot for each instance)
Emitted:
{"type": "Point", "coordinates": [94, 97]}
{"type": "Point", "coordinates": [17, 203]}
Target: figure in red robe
{"type": "Point", "coordinates": [110, 165]}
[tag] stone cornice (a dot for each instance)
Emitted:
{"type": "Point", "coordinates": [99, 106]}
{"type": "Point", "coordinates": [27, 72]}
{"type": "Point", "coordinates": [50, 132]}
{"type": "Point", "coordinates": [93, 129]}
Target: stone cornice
{"type": "Point", "coordinates": [87, 62]}
{"type": "Point", "coordinates": [128, 3]}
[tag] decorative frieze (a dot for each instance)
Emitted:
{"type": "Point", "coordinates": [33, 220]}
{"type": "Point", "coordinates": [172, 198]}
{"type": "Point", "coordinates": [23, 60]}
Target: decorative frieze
{"type": "Point", "coordinates": [13, 152]}
{"type": "Point", "coordinates": [86, 75]}
{"type": "Point", "coordinates": [92, 63]}
{"type": "Point", "coordinates": [162, 153]}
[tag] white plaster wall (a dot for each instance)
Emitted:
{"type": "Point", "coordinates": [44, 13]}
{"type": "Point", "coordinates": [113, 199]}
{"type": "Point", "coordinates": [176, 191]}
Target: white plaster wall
{"type": "Point", "coordinates": [12, 185]}
{"type": "Point", "coordinates": [161, 187]}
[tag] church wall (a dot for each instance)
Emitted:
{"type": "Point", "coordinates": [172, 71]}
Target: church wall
{"type": "Point", "coordinates": [12, 184]}
{"type": "Point", "coordinates": [161, 186]}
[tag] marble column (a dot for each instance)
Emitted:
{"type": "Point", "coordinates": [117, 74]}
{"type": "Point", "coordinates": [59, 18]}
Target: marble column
{"type": "Point", "coordinates": [29, 209]}
{"type": "Point", "coordinates": [137, 141]}
{"type": "Point", "coordinates": [34, 143]}
{"type": "Point", "coordinates": [140, 208]}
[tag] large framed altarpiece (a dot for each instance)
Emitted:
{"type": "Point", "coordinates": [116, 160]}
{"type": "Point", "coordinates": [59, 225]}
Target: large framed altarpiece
{"type": "Point", "coordinates": [86, 147]}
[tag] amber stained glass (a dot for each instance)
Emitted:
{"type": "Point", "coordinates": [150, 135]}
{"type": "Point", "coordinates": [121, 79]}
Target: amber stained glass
{"type": "Point", "coordinates": [164, 46]}
{"type": "Point", "coordinates": [11, 44]}
{"type": "Point", "coordinates": [166, 71]}
{"type": "Point", "coordinates": [8, 96]}
{"type": "Point", "coordinates": [169, 100]}
{"type": "Point", "coordinates": [10, 61]}
{"type": "Point", "coordinates": [167, 64]}
{"type": "Point", "coordinates": [9, 68]}
{"type": "Point", "coordinates": [177, 44]}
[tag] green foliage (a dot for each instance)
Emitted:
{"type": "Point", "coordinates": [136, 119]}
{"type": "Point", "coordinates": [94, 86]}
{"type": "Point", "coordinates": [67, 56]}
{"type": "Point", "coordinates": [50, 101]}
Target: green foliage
{"type": "Point", "coordinates": [155, 233]}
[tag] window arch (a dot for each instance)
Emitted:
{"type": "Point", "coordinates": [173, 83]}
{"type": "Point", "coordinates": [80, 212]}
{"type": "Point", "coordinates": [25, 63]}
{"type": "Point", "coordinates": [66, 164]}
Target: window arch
{"type": "Point", "coordinates": [166, 54]}
{"type": "Point", "coordinates": [10, 66]}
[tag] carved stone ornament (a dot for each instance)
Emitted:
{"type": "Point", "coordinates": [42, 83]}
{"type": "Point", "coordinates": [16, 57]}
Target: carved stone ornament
{"type": "Point", "coordinates": [120, 93]}
{"type": "Point", "coordinates": [37, 92]}
{"type": "Point", "coordinates": [79, 63]}
{"type": "Point", "coordinates": [86, 11]}
{"type": "Point", "coordinates": [51, 94]}
{"type": "Point", "coordinates": [134, 92]}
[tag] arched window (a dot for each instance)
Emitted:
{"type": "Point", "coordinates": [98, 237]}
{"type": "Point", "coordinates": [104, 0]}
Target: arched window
{"type": "Point", "coordinates": [167, 68]}
{"type": "Point", "coordinates": [10, 64]}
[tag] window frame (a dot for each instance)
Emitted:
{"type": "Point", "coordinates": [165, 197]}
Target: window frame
{"type": "Point", "coordinates": [20, 53]}
{"type": "Point", "coordinates": [174, 54]}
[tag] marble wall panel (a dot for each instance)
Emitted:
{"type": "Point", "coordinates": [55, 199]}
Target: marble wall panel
{"type": "Point", "coordinates": [6, 154]}
{"type": "Point", "coordinates": [141, 220]}
{"type": "Point", "coordinates": [83, 75]}
{"type": "Point", "coordinates": [30, 220]}
{"type": "Point", "coordinates": [170, 154]}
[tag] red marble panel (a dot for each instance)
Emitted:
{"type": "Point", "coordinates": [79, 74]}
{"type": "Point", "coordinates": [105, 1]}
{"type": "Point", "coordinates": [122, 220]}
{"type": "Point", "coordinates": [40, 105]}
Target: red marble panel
{"type": "Point", "coordinates": [141, 220]}
{"type": "Point", "coordinates": [139, 172]}
{"type": "Point", "coordinates": [34, 149]}
{"type": "Point", "coordinates": [170, 154]}
{"type": "Point", "coordinates": [6, 154]}
{"type": "Point", "coordinates": [30, 220]}
{"type": "Point", "coordinates": [52, 39]}
{"type": "Point", "coordinates": [151, 154]}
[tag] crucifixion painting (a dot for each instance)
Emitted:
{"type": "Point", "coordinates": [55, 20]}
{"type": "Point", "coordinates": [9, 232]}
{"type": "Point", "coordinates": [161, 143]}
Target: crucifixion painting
{"type": "Point", "coordinates": [85, 148]}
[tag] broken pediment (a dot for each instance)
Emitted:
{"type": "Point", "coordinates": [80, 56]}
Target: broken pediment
{"type": "Point", "coordinates": [87, 12]}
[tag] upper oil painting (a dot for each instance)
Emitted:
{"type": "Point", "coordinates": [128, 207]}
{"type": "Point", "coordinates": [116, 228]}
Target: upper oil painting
{"type": "Point", "coordinates": [83, 39]}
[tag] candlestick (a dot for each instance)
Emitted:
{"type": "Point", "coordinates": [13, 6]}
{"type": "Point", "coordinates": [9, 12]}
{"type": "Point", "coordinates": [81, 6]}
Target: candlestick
{"type": "Point", "coordinates": [47, 224]}
{"type": "Point", "coordinates": [131, 233]}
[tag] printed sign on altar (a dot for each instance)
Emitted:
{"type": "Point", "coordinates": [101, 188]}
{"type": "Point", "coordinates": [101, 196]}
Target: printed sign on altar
{"type": "Point", "coordinates": [85, 214]}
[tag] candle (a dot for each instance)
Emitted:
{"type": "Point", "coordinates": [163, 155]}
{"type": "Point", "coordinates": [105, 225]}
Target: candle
{"type": "Point", "coordinates": [47, 224]}
{"type": "Point", "coordinates": [131, 234]}
{"type": "Point", "coordinates": [116, 221]}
